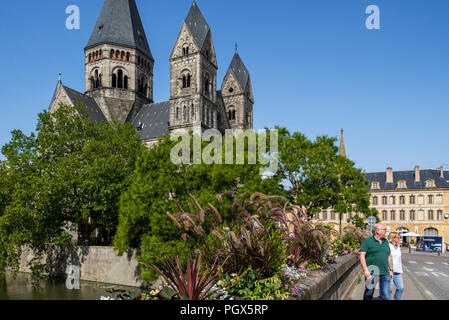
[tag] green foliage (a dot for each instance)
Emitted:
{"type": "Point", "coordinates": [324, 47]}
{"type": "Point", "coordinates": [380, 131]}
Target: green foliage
{"type": "Point", "coordinates": [71, 171]}
{"type": "Point", "coordinates": [249, 286]}
{"type": "Point", "coordinates": [318, 177]}
{"type": "Point", "coordinates": [158, 181]}
{"type": "Point", "coordinates": [153, 248]}
{"type": "Point", "coordinates": [63, 239]}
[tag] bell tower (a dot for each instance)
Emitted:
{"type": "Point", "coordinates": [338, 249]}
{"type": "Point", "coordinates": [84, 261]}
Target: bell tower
{"type": "Point", "coordinates": [119, 63]}
{"type": "Point", "coordinates": [193, 77]}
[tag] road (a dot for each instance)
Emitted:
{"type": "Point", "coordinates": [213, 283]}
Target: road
{"type": "Point", "coordinates": [430, 271]}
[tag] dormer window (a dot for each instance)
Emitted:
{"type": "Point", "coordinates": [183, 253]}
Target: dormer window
{"type": "Point", "coordinates": [430, 183]}
{"type": "Point", "coordinates": [402, 184]}
{"type": "Point", "coordinates": [375, 185]}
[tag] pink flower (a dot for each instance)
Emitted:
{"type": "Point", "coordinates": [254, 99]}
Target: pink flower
{"type": "Point", "coordinates": [306, 263]}
{"type": "Point", "coordinates": [345, 252]}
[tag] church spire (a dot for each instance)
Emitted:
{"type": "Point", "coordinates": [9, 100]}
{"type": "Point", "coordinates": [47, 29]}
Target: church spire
{"type": "Point", "coordinates": [119, 23]}
{"type": "Point", "coordinates": [342, 145]}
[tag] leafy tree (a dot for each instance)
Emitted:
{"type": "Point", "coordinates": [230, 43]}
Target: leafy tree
{"type": "Point", "coordinates": [317, 178]}
{"type": "Point", "coordinates": [158, 181]}
{"type": "Point", "coordinates": [71, 173]}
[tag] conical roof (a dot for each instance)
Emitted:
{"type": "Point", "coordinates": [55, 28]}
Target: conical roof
{"type": "Point", "coordinates": [197, 25]}
{"type": "Point", "coordinates": [239, 70]}
{"type": "Point", "coordinates": [119, 23]}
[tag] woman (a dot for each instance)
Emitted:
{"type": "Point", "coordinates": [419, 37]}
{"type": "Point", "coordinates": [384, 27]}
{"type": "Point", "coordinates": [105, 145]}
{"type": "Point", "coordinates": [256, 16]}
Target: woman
{"type": "Point", "coordinates": [395, 249]}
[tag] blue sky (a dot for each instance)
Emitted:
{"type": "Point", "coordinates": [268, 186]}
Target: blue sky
{"type": "Point", "coordinates": [315, 68]}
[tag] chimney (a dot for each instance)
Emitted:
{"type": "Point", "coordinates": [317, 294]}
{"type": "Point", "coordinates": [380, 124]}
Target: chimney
{"type": "Point", "coordinates": [417, 176]}
{"type": "Point", "coordinates": [442, 172]}
{"type": "Point", "coordinates": [389, 175]}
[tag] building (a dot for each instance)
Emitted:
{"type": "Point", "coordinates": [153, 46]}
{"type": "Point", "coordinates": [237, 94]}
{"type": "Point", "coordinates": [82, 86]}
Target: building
{"type": "Point", "coordinates": [412, 201]}
{"type": "Point", "coordinates": [119, 78]}
{"type": "Point", "coordinates": [407, 201]}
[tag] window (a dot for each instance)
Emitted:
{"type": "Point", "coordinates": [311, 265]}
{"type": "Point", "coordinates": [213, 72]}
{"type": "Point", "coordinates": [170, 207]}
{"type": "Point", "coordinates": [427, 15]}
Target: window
{"type": "Point", "coordinates": [401, 184]}
{"type": "Point", "coordinates": [206, 84]}
{"type": "Point", "coordinates": [128, 55]}
{"type": "Point", "coordinates": [231, 113]}
{"type": "Point", "coordinates": [420, 200]}
{"type": "Point", "coordinates": [439, 215]}
{"type": "Point", "coordinates": [192, 109]}
{"type": "Point", "coordinates": [125, 82]}
{"type": "Point", "coordinates": [186, 81]}
{"type": "Point", "coordinates": [393, 215]}
{"type": "Point", "coordinates": [430, 183]}
{"type": "Point", "coordinates": [114, 80]}
{"type": "Point", "coordinates": [430, 198]}
{"type": "Point", "coordinates": [325, 215]}
{"type": "Point", "coordinates": [430, 215]}
{"type": "Point", "coordinates": [384, 215]}
{"type": "Point", "coordinates": [332, 215]}
{"type": "Point", "coordinates": [412, 199]}
{"type": "Point", "coordinates": [412, 215]}
{"type": "Point", "coordinates": [177, 113]}
{"type": "Point", "coordinates": [184, 114]}
{"type": "Point", "coordinates": [375, 200]}
{"type": "Point", "coordinates": [112, 53]}
{"type": "Point", "coordinates": [231, 90]}
{"type": "Point", "coordinates": [402, 215]}
{"type": "Point", "coordinates": [402, 200]}
{"type": "Point", "coordinates": [392, 200]}
{"type": "Point", "coordinates": [375, 185]}
{"type": "Point", "coordinates": [384, 200]}
{"type": "Point", "coordinates": [439, 199]}
{"type": "Point", "coordinates": [120, 78]}
{"type": "Point", "coordinates": [430, 232]}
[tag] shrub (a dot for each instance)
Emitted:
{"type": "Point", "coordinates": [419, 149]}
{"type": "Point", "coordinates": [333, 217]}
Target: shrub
{"type": "Point", "coordinates": [153, 248]}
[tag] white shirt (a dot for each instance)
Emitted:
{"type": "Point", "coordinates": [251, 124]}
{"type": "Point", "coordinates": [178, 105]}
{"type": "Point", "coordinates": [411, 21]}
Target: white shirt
{"type": "Point", "coordinates": [397, 258]}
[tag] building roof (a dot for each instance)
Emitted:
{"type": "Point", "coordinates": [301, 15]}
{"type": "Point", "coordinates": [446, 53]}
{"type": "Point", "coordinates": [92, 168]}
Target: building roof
{"type": "Point", "coordinates": [197, 25]}
{"type": "Point", "coordinates": [119, 23]}
{"type": "Point", "coordinates": [152, 120]}
{"type": "Point", "coordinates": [93, 110]}
{"type": "Point", "coordinates": [239, 70]}
{"type": "Point", "coordinates": [409, 178]}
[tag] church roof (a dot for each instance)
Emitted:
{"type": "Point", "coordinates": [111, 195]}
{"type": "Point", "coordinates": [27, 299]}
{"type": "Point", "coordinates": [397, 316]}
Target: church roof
{"type": "Point", "coordinates": [197, 25]}
{"type": "Point", "coordinates": [92, 109]}
{"type": "Point", "coordinates": [239, 70]}
{"type": "Point", "coordinates": [152, 120]}
{"type": "Point", "coordinates": [119, 23]}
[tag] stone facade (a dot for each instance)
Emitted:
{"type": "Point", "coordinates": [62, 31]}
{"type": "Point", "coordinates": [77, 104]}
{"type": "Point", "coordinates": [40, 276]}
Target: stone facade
{"type": "Point", "coordinates": [119, 78]}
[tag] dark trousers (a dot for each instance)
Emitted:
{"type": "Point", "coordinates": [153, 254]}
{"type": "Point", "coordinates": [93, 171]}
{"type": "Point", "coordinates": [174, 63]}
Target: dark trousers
{"type": "Point", "coordinates": [384, 286]}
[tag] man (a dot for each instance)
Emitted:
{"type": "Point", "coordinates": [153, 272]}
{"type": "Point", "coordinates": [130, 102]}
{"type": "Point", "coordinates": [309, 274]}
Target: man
{"type": "Point", "coordinates": [376, 260]}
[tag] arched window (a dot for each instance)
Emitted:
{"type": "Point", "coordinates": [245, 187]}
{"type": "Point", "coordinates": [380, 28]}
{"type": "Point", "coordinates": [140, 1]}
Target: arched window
{"type": "Point", "coordinates": [192, 109]}
{"type": "Point", "coordinates": [430, 232]}
{"type": "Point", "coordinates": [123, 55]}
{"type": "Point", "coordinates": [189, 77]}
{"type": "Point", "coordinates": [125, 82]}
{"type": "Point", "coordinates": [233, 114]}
{"type": "Point", "coordinates": [184, 114]}
{"type": "Point", "coordinates": [114, 80]}
{"type": "Point", "coordinates": [97, 79]}
{"type": "Point", "coordinates": [100, 53]}
{"type": "Point", "coordinates": [90, 57]}
{"type": "Point", "coordinates": [177, 113]}
{"type": "Point", "coordinates": [117, 54]}
{"type": "Point", "coordinates": [112, 54]}
{"type": "Point", "coordinates": [184, 82]}
{"type": "Point", "coordinates": [120, 79]}
{"type": "Point", "coordinates": [127, 56]}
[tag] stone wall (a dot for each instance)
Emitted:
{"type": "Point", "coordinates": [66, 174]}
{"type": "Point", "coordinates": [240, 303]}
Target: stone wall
{"type": "Point", "coordinates": [334, 283]}
{"type": "Point", "coordinates": [99, 264]}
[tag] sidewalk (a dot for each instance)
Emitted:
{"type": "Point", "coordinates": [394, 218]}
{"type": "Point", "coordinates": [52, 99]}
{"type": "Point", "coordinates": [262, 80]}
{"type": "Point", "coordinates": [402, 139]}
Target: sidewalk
{"type": "Point", "coordinates": [412, 289]}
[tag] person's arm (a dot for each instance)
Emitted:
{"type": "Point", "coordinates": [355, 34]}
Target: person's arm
{"type": "Point", "coordinates": [363, 263]}
{"type": "Point", "coordinates": [390, 265]}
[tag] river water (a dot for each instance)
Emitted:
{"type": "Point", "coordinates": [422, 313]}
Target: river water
{"type": "Point", "coordinates": [22, 288]}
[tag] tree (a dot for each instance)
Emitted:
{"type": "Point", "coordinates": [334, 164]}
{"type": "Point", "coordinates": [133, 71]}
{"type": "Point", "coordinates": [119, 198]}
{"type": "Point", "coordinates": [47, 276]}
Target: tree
{"type": "Point", "coordinates": [317, 178]}
{"type": "Point", "coordinates": [158, 182]}
{"type": "Point", "coordinates": [72, 172]}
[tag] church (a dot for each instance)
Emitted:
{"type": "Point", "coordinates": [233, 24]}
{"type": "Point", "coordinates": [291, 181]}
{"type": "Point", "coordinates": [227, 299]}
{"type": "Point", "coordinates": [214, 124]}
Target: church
{"type": "Point", "coordinates": [119, 78]}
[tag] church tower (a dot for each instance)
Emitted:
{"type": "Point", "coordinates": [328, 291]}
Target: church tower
{"type": "Point", "coordinates": [238, 95]}
{"type": "Point", "coordinates": [193, 77]}
{"type": "Point", "coordinates": [119, 63]}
